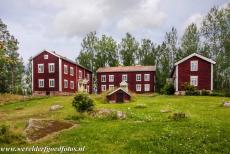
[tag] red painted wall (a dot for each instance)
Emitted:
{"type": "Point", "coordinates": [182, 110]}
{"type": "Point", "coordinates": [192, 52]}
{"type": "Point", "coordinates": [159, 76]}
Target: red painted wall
{"type": "Point", "coordinates": [113, 97]}
{"type": "Point", "coordinates": [84, 75]}
{"type": "Point", "coordinates": [46, 75]}
{"type": "Point", "coordinates": [203, 73]}
{"type": "Point", "coordinates": [131, 80]}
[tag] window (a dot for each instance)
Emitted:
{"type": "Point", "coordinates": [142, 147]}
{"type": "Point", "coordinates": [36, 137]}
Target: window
{"type": "Point", "coordinates": [71, 71]}
{"type": "Point", "coordinates": [46, 56]}
{"type": "Point", "coordinates": [194, 65]}
{"type": "Point", "coordinates": [71, 84]}
{"type": "Point", "coordinates": [88, 76]}
{"type": "Point", "coordinates": [103, 87]}
{"type": "Point", "coordinates": [138, 77]}
{"type": "Point", "coordinates": [138, 87]}
{"type": "Point", "coordinates": [111, 87]}
{"type": "Point", "coordinates": [194, 80]}
{"type": "Point", "coordinates": [124, 77]}
{"type": "Point", "coordinates": [147, 77]}
{"type": "Point", "coordinates": [41, 83]}
{"type": "Point", "coordinates": [111, 78]}
{"type": "Point", "coordinates": [40, 68]}
{"type": "Point", "coordinates": [65, 69]}
{"type": "Point", "coordinates": [80, 74]}
{"type": "Point", "coordinates": [103, 78]}
{"type": "Point", "coordinates": [147, 87]}
{"type": "Point", "coordinates": [65, 83]}
{"type": "Point", "coordinates": [88, 88]}
{"type": "Point", "coordinates": [51, 83]}
{"type": "Point", "coordinates": [51, 68]}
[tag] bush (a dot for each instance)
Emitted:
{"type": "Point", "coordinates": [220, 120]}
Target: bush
{"type": "Point", "coordinates": [82, 102]}
{"type": "Point", "coordinates": [178, 116]}
{"type": "Point", "coordinates": [190, 90]}
{"type": "Point", "coordinates": [168, 89]}
{"type": "Point", "coordinates": [205, 92]}
{"type": "Point", "coordinates": [8, 137]}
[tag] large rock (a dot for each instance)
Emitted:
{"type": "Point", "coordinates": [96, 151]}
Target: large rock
{"type": "Point", "coordinates": [227, 104]}
{"type": "Point", "coordinates": [55, 107]}
{"type": "Point", "coordinates": [39, 128]}
{"type": "Point", "coordinates": [103, 113]}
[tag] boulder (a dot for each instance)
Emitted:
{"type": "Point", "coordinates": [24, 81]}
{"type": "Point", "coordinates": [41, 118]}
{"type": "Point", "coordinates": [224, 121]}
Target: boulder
{"type": "Point", "coordinates": [55, 107]}
{"type": "Point", "coordinates": [227, 104]}
{"type": "Point", "coordinates": [165, 111]}
{"type": "Point", "coordinates": [121, 115]}
{"type": "Point", "coordinates": [103, 113]}
{"type": "Point", "coordinates": [39, 128]}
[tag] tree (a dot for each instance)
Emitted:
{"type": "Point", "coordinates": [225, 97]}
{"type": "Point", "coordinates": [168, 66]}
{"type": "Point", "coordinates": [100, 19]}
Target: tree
{"type": "Point", "coordinates": [190, 41]}
{"type": "Point", "coordinates": [128, 49]}
{"type": "Point", "coordinates": [11, 65]}
{"type": "Point", "coordinates": [146, 54]}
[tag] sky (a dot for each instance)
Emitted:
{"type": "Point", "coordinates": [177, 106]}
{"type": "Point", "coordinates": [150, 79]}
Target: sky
{"type": "Point", "coordinates": [60, 25]}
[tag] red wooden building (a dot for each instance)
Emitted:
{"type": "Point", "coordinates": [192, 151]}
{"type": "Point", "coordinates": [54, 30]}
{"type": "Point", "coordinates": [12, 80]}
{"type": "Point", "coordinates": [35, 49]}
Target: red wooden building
{"type": "Point", "coordinates": [53, 74]}
{"type": "Point", "coordinates": [118, 96]}
{"type": "Point", "coordinates": [140, 79]}
{"type": "Point", "coordinates": [194, 69]}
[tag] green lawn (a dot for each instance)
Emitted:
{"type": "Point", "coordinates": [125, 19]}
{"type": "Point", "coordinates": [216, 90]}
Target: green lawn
{"type": "Point", "coordinates": [146, 130]}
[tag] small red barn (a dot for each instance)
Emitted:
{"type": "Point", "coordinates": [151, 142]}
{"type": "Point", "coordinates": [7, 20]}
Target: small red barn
{"type": "Point", "coordinates": [53, 74]}
{"type": "Point", "coordinates": [194, 69]}
{"type": "Point", "coordinates": [118, 96]}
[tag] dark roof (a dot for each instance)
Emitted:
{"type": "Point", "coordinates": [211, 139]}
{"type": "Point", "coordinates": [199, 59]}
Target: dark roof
{"type": "Point", "coordinates": [137, 68]}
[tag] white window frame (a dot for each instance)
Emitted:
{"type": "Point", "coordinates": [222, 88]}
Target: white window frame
{"type": "Point", "coordinates": [111, 78]}
{"type": "Point", "coordinates": [51, 86]}
{"type": "Point", "coordinates": [39, 69]}
{"type": "Point", "coordinates": [65, 69]}
{"type": "Point", "coordinates": [138, 76]}
{"type": "Point", "coordinates": [46, 56]}
{"type": "Point", "coordinates": [80, 74]}
{"type": "Point", "coordinates": [65, 85]}
{"type": "Point", "coordinates": [103, 87]}
{"type": "Point", "coordinates": [146, 77]}
{"type": "Point", "coordinates": [138, 87]}
{"type": "Point", "coordinates": [194, 65]}
{"type": "Point", "coordinates": [192, 78]}
{"type": "Point", "coordinates": [71, 84]}
{"type": "Point", "coordinates": [147, 87]}
{"type": "Point", "coordinates": [39, 81]}
{"type": "Point", "coordinates": [111, 87]}
{"type": "Point", "coordinates": [103, 76]}
{"type": "Point", "coordinates": [49, 66]}
{"type": "Point", "coordinates": [124, 77]}
{"type": "Point", "coordinates": [71, 71]}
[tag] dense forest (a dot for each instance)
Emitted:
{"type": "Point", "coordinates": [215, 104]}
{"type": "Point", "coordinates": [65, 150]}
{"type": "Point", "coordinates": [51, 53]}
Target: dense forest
{"type": "Point", "coordinates": [211, 39]}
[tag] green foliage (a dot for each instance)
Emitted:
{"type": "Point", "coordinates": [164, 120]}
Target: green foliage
{"type": "Point", "coordinates": [190, 90]}
{"type": "Point", "coordinates": [177, 116]}
{"type": "Point", "coordinates": [8, 137]}
{"type": "Point", "coordinates": [168, 89]}
{"type": "Point", "coordinates": [205, 92]}
{"type": "Point", "coordinates": [82, 102]}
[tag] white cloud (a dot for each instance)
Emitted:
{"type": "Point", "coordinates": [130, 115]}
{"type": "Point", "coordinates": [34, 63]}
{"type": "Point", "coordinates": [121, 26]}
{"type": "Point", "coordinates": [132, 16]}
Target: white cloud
{"type": "Point", "coordinates": [146, 15]}
{"type": "Point", "coordinates": [195, 18]}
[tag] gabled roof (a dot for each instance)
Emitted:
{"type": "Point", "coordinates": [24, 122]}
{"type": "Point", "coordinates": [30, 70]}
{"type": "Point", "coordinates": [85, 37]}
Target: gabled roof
{"type": "Point", "coordinates": [59, 56]}
{"type": "Point", "coordinates": [117, 90]}
{"type": "Point", "coordinates": [137, 68]}
{"type": "Point", "coordinates": [197, 55]}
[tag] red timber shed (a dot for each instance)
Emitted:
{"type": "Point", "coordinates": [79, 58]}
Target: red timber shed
{"type": "Point", "coordinates": [53, 74]}
{"type": "Point", "coordinates": [140, 79]}
{"type": "Point", "coordinates": [194, 69]}
{"type": "Point", "coordinates": [118, 96]}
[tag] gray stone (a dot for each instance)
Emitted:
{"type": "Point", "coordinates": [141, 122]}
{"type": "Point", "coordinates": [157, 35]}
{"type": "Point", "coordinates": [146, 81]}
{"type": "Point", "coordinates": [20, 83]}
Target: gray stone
{"type": "Point", "coordinates": [55, 107]}
{"type": "Point", "coordinates": [227, 104]}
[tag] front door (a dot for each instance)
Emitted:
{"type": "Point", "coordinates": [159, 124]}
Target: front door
{"type": "Point", "coordinates": [120, 97]}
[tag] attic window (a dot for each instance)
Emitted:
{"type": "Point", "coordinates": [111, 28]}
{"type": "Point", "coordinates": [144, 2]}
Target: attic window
{"type": "Point", "coordinates": [46, 56]}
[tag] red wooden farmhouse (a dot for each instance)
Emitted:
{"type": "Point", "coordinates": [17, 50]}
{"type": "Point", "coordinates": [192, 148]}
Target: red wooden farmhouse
{"type": "Point", "coordinates": [140, 79]}
{"type": "Point", "coordinates": [194, 69]}
{"type": "Point", "coordinates": [53, 74]}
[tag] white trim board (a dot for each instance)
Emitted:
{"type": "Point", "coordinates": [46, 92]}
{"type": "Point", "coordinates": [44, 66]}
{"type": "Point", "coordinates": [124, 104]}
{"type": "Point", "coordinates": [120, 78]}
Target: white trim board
{"type": "Point", "coordinates": [197, 55]}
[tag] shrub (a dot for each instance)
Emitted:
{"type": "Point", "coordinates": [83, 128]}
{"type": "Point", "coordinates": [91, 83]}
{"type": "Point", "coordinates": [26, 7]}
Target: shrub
{"type": "Point", "coordinates": [8, 137]}
{"type": "Point", "coordinates": [82, 102]}
{"type": "Point", "coordinates": [168, 89]}
{"type": "Point", "coordinates": [205, 92]}
{"type": "Point", "coordinates": [190, 90]}
{"type": "Point", "coordinates": [140, 106]}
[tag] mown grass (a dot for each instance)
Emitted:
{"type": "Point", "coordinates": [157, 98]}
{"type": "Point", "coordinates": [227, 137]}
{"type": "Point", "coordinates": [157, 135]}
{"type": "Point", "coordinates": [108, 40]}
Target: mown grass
{"type": "Point", "coordinates": [206, 128]}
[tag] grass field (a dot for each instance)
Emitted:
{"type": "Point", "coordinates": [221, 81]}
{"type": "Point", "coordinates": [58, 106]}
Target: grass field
{"type": "Point", "coordinates": [145, 130]}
